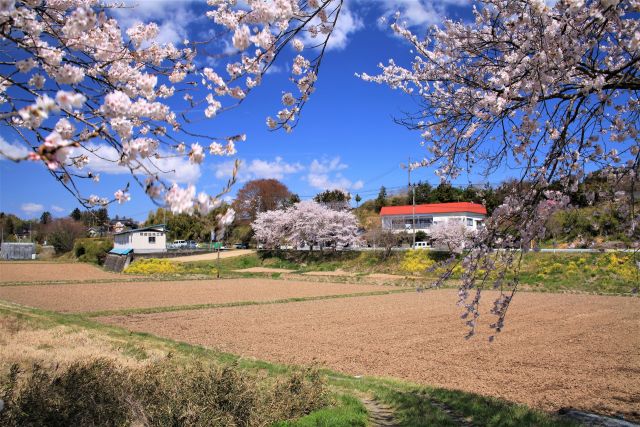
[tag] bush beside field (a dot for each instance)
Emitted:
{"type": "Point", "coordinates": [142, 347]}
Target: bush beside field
{"type": "Point", "coordinates": [101, 392]}
{"type": "Point", "coordinates": [92, 250]}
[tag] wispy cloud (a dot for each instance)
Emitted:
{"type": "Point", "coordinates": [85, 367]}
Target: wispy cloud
{"type": "Point", "coordinates": [103, 159]}
{"type": "Point", "coordinates": [415, 13]}
{"type": "Point", "coordinates": [348, 23]}
{"type": "Point", "coordinates": [31, 208]}
{"type": "Point", "coordinates": [174, 17]}
{"type": "Point", "coordinates": [325, 174]}
{"type": "Point", "coordinates": [58, 209]}
{"type": "Point", "coordinates": [258, 169]}
{"type": "Point", "coordinates": [11, 151]}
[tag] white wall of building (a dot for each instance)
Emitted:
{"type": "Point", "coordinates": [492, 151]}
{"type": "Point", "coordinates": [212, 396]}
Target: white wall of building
{"type": "Point", "coordinates": [141, 241]}
{"type": "Point", "coordinates": [424, 222]}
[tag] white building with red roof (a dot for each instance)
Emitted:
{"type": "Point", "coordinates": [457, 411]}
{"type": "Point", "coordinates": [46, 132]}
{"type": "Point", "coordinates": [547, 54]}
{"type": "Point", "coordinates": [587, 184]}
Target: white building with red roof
{"type": "Point", "coordinates": [401, 218]}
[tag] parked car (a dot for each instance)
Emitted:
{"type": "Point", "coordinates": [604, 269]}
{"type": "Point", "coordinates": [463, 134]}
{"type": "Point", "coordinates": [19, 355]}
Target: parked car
{"type": "Point", "coordinates": [241, 246]}
{"type": "Point", "coordinates": [179, 244]}
{"type": "Point", "coordinates": [191, 244]}
{"type": "Point", "coordinates": [421, 245]}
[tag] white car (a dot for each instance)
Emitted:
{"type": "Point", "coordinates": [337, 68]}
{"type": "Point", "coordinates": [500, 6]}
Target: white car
{"type": "Point", "coordinates": [179, 244]}
{"type": "Point", "coordinates": [421, 245]}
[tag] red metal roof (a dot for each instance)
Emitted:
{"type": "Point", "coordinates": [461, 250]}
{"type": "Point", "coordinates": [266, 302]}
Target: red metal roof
{"type": "Point", "coordinates": [435, 208]}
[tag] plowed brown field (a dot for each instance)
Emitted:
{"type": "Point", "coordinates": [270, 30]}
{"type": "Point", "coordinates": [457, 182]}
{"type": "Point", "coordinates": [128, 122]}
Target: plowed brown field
{"type": "Point", "coordinates": [112, 296]}
{"type": "Point", "coordinates": [556, 350]}
{"type": "Point", "coordinates": [43, 272]}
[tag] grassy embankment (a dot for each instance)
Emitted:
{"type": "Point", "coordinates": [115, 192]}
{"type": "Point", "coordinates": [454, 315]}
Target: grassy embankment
{"type": "Point", "coordinates": [62, 369]}
{"type": "Point", "coordinates": [600, 273]}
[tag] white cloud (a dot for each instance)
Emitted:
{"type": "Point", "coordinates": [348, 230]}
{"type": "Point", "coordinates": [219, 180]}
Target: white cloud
{"type": "Point", "coordinates": [11, 151]}
{"type": "Point", "coordinates": [58, 209]}
{"type": "Point", "coordinates": [173, 17]}
{"type": "Point", "coordinates": [103, 159]}
{"type": "Point", "coordinates": [31, 208]}
{"type": "Point", "coordinates": [258, 169]}
{"type": "Point", "coordinates": [348, 23]}
{"type": "Point", "coordinates": [325, 175]}
{"type": "Point", "coordinates": [415, 13]}
{"type": "Point", "coordinates": [325, 166]}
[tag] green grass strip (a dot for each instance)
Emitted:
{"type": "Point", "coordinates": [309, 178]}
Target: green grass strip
{"type": "Point", "coordinates": [166, 309]}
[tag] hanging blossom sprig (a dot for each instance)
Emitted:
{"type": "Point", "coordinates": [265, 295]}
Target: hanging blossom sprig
{"type": "Point", "coordinates": [551, 90]}
{"type": "Point", "coordinates": [77, 86]}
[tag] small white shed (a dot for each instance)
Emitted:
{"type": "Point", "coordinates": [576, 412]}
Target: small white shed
{"type": "Point", "coordinates": [142, 240]}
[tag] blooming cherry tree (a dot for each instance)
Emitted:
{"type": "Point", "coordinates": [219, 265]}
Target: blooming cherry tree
{"type": "Point", "coordinates": [453, 236]}
{"type": "Point", "coordinates": [306, 223]}
{"type": "Point", "coordinates": [75, 86]}
{"type": "Point", "coordinates": [550, 89]}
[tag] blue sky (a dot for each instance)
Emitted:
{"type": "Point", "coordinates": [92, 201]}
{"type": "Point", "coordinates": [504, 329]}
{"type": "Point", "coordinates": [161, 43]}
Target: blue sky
{"type": "Point", "coordinates": [346, 137]}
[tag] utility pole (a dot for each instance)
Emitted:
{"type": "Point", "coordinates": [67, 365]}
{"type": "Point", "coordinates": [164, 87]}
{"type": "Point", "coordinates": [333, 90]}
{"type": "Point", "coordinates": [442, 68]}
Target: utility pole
{"type": "Point", "coordinates": [413, 188]}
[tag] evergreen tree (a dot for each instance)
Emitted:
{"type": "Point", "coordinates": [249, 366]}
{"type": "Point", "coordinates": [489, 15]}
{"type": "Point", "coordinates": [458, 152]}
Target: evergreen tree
{"type": "Point", "coordinates": [76, 214]}
{"type": "Point", "coordinates": [381, 200]}
{"type": "Point", "coordinates": [45, 218]}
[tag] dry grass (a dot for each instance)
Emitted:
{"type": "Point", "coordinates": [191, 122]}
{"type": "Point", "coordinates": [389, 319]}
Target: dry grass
{"type": "Point", "coordinates": [23, 343]}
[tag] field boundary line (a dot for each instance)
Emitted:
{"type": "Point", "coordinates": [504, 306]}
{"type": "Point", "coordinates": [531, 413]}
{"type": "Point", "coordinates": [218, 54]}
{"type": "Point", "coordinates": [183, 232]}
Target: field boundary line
{"type": "Point", "coordinates": [168, 309]}
{"type": "Point", "coordinates": [194, 278]}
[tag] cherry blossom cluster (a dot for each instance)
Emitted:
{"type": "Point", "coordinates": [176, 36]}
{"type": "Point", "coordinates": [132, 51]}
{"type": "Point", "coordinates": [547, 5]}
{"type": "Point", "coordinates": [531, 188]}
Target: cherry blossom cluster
{"type": "Point", "coordinates": [306, 224]}
{"type": "Point", "coordinates": [453, 236]}
{"type": "Point", "coordinates": [548, 88]}
{"type": "Point", "coordinates": [79, 82]}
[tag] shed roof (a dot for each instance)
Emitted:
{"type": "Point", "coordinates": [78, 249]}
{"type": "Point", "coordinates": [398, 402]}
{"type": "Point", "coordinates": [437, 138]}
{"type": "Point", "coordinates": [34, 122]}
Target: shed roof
{"type": "Point", "coordinates": [435, 208]}
{"type": "Point", "coordinates": [123, 251]}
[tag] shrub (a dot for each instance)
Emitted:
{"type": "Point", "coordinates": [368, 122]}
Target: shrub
{"type": "Point", "coordinates": [63, 232]}
{"type": "Point", "coordinates": [101, 393]}
{"type": "Point", "coordinates": [92, 250]}
{"type": "Point", "coordinates": [83, 394]}
{"type": "Point", "coordinates": [154, 266]}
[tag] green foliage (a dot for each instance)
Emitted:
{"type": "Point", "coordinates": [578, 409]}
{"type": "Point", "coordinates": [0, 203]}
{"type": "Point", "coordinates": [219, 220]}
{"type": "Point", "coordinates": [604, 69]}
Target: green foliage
{"type": "Point", "coordinates": [335, 199]}
{"type": "Point", "coordinates": [93, 250]}
{"type": "Point", "coordinates": [347, 411]}
{"type": "Point", "coordinates": [186, 227]}
{"type": "Point", "coordinates": [150, 266]}
{"type": "Point", "coordinates": [588, 225]}
{"type": "Point", "coordinates": [46, 217]}
{"type": "Point", "coordinates": [76, 214]}
{"type": "Point", "coordinates": [241, 234]}
{"type": "Point", "coordinates": [102, 393]}
{"type": "Point", "coordinates": [600, 273]}
{"type": "Point", "coordinates": [381, 200]}
{"type": "Point", "coordinates": [421, 236]}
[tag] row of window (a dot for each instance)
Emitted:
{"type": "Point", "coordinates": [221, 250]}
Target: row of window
{"type": "Point", "coordinates": [422, 222]}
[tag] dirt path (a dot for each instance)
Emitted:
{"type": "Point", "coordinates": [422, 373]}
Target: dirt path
{"type": "Point", "coordinates": [331, 273]}
{"type": "Point", "coordinates": [380, 415]}
{"type": "Point", "coordinates": [264, 270]}
{"type": "Point", "coordinates": [211, 256]}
